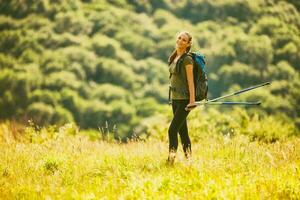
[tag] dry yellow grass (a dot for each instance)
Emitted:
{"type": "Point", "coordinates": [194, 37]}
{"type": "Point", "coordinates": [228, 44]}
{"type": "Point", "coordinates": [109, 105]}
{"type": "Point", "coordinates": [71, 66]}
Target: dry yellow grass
{"type": "Point", "coordinates": [64, 166]}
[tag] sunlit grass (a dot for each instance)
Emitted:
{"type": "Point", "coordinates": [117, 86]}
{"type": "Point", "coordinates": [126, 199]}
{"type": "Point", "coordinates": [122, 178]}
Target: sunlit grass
{"type": "Point", "coordinates": [65, 166]}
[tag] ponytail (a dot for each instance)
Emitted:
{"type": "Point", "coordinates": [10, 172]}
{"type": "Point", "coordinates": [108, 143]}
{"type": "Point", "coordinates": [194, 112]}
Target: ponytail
{"type": "Point", "coordinates": [188, 49]}
{"type": "Point", "coordinates": [172, 57]}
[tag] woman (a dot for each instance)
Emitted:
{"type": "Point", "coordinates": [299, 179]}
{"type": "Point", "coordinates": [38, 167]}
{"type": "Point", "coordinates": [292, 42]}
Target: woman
{"type": "Point", "coordinates": [182, 95]}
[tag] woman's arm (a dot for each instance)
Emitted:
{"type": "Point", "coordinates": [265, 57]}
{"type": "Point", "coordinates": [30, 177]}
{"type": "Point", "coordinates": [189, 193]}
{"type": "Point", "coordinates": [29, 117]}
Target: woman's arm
{"type": "Point", "coordinates": [190, 80]}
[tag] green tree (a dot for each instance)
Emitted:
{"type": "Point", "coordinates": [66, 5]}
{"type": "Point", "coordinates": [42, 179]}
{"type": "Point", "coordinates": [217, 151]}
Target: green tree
{"type": "Point", "coordinates": [21, 9]}
{"type": "Point", "coordinates": [111, 71]}
{"type": "Point", "coordinates": [237, 73]}
{"type": "Point", "coordinates": [73, 102]}
{"type": "Point", "coordinates": [61, 116]}
{"type": "Point", "coordinates": [59, 80]}
{"type": "Point", "coordinates": [14, 91]}
{"type": "Point", "coordinates": [41, 113]}
{"type": "Point", "coordinates": [85, 58]}
{"type": "Point", "coordinates": [7, 61]}
{"type": "Point", "coordinates": [108, 93]}
{"type": "Point", "coordinates": [105, 46]}
{"type": "Point", "coordinates": [95, 114]}
{"type": "Point", "coordinates": [138, 45]}
{"type": "Point", "coordinates": [72, 22]}
{"type": "Point", "coordinates": [256, 51]}
{"type": "Point", "coordinates": [45, 96]}
{"type": "Point", "coordinates": [284, 37]}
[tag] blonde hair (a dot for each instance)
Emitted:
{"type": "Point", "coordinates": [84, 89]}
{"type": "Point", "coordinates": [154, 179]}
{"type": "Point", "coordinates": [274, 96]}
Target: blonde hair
{"type": "Point", "coordinates": [174, 53]}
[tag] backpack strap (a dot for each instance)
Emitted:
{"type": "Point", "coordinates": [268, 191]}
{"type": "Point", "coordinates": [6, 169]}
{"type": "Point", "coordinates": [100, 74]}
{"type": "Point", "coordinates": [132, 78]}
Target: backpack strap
{"type": "Point", "coordinates": [169, 100]}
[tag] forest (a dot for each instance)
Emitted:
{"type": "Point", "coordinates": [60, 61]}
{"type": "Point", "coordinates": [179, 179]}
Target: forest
{"type": "Point", "coordinates": [102, 64]}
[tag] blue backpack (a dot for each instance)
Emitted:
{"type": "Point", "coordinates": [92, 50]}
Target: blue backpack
{"type": "Point", "coordinates": [200, 76]}
{"type": "Point", "coordinates": [199, 72]}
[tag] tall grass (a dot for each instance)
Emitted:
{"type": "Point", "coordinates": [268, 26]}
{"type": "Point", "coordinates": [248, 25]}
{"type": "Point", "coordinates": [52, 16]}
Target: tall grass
{"type": "Point", "coordinates": [55, 163]}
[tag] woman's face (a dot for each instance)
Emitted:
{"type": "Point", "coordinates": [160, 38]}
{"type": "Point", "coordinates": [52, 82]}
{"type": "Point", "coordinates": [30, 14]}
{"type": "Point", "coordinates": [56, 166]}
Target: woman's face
{"type": "Point", "coordinates": [182, 41]}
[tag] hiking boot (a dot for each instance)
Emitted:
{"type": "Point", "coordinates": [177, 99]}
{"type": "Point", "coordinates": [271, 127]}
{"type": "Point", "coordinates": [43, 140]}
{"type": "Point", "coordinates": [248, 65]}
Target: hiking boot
{"type": "Point", "coordinates": [171, 158]}
{"type": "Point", "coordinates": [188, 157]}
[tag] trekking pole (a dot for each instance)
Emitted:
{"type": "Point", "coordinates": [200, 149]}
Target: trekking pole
{"type": "Point", "coordinates": [232, 94]}
{"type": "Point", "coordinates": [229, 103]}
{"type": "Point", "coordinates": [239, 92]}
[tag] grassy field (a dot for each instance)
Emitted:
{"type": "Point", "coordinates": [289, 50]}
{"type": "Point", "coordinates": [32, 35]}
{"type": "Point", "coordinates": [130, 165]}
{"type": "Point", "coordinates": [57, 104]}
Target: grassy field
{"type": "Point", "coordinates": [54, 164]}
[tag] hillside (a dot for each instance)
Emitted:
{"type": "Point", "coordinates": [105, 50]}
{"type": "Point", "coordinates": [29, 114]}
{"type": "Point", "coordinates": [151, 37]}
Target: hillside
{"type": "Point", "coordinates": [102, 63]}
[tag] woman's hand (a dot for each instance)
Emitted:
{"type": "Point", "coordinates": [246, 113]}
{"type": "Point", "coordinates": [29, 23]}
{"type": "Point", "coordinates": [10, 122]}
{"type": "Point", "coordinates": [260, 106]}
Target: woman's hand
{"type": "Point", "coordinates": [190, 106]}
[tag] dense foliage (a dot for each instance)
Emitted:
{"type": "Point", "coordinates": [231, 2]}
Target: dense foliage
{"type": "Point", "coordinates": [102, 63]}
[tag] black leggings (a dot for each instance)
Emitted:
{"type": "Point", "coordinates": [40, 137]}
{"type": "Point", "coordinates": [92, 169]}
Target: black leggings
{"type": "Point", "coordinates": [179, 125]}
